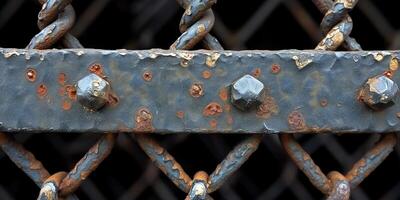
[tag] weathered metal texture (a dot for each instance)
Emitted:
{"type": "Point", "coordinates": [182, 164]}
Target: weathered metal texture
{"type": "Point", "coordinates": [336, 185]}
{"type": "Point", "coordinates": [341, 187]}
{"type": "Point", "coordinates": [306, 91]}
{"type": "Point", "coordinates": [196, 190]}
{"type": "Point", "coordinates": [336, 24]}
{"type": "Point", "coordinates": [87, 164]}
{"type": "Point", "coordinates": [233, 161]}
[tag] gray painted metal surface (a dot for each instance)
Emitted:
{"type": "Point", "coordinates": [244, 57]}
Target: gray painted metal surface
{"type": "Point", "coordinates": [184, 92]}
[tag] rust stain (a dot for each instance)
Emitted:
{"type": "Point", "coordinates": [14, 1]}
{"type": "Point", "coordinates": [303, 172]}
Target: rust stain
{"type": "Point", "coordinates": [180, 114]}
{"type": "Point", "coordinates": [296, 121]}
{"type": "Point", "coordinates": [71, 92]}
{"type": "Point", "coordinates": [66, 105]}
{"type": "Point", "coordinates": [30, 75]}
{"type": "Point", "coordinates": [213, 123]}
{"type": "Point", "coordinates": [223, 94]}
{"type": "Point", "coordinates": [144, 120]}
{"type": "Point", "coordinates": [196, 90]}
{"type": "Point", "coordinates": [275, 68]}
{"type": "Point", "coordinates": [147, 76]}
{"type": "Point", "coordinates": [212, 109]}
{"type": "Point", "coordinates": [257, 72]}
{"type": "Point", "coordinates": [41, 90]}
{"type": "Point", "coordinates": [112, 99]}
{"type": "Point", "coordinates": [96, 68]}
{"type": "Point", "coordinates": [398, 115]}
{"type": "Point", "coordinates": [268, 107]}
{"type": "Point", "coordinates": [324, 102]}
{"type": "Point", "coordinates": [62, 78]}
{"type": "Point", "coordinates": [206, 74]}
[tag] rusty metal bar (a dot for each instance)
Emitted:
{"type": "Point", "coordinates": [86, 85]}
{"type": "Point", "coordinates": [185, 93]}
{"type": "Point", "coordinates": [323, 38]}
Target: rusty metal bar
{"type": "Point", "coordinates": [306, 91]}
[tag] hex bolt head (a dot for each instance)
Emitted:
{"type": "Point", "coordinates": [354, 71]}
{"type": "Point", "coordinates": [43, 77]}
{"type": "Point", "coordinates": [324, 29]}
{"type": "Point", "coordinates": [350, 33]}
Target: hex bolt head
{"type": "Point", "coordinates": [93, 92]}
{"type": "Point", "coordinates": [247, 92]}
{"type": "Point", "coordinates": [379, 92]}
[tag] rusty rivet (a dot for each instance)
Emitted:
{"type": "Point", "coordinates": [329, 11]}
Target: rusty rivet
{"type": "Point", "coordinates": [144, 120]}
{"type": "Point", "coordinates": [212, 109]}
{"type": "Point", "coordinates": [41, 90]}
{"type": "Point", "coordinates": [93, 91]}
{"type": "Point", "coordinates": [30, 75]}
{"type": "Point", "coordinates": [296, 121]}
{"type": "Point", "coordinates": [275, 69]}
{"type": "Point", "coordinates": [147, 76]}
{"type": "Point", "coordinates": [71, 91]}
{"type": "Point", "coordinates": [378, 92]}
{"type": "Point", "coordinates": [247, 92]}
{"type": "Point", "coordinates": [206, 74]}
{"type": "Point", "coordinates": [96, 69]}
{"type": "Point", "coordinates": [196, 90]}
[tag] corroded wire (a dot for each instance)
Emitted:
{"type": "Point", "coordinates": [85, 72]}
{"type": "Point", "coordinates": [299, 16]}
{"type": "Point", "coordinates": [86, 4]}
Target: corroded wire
{"type": "Point", "coordinates": [336, 24]}
{"type": "Point", "coordinates": [328, 185]}
{"type": "Point", "coordinates": [55, 19]}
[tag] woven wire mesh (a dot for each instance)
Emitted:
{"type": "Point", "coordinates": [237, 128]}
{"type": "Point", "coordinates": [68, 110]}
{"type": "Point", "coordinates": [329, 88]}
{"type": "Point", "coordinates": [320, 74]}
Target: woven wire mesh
{"type": "Point", "coordinates": [143, 24]}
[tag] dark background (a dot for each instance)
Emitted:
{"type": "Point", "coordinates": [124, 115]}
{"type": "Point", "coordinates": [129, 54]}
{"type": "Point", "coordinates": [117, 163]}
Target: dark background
{"type": "Point", "coordinates": [257, 24]}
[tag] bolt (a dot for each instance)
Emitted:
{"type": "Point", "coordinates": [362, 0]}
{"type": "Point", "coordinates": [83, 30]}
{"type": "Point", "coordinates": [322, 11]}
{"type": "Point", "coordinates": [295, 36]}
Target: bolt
{"type": "Point", "coordinates": [247, 92]}
{"type": "Point", "coordinates": [378, 92]}
{"type": "Point", "coordinates": [93, 91]}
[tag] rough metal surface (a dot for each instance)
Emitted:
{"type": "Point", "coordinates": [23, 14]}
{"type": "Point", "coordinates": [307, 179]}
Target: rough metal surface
{"type": "Point", "coordinates": [188, 91]}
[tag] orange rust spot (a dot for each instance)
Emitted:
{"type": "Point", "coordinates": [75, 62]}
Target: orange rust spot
{"type": "Point", "coordinates": [229, 119]}
{"type": "Point", "coordinates": [147, 76]}
{"type": "Point", "coordinates": [196, 90]}
{"type": "Point", "coordinates": [41, 90]}
{"type": "Point", "coordinates": [296, 121]}
{"type": "Point", "coordinates": [144, 120]}
{"type": "Point", "coordinates": [30, 75]}
{"type": "Point", "coordinates": [388, 74]}
{"type": "Point", "coordinates": [206, 74]}
{"type": "Point", "coordinates": [257, 72]}
{"type": "Point", "coordinates": [275, 68]}
{"type": "Point", "coordinates": [267, 108]}
{"type": "Point", "coordinates": [113, 99]}
{"type": "Point", "coordinates": [71, 91]}
{"type": "Point", "coordinates": [223, 94]}
{"type": "Point", "coordinates": [66, 105]}
{"type": "Point", "coordinates": [96, 68]}
{"type": "Point", "coordinates": [213, 123]}
{"type": "Point", "coordinates": [62, 78]}
{"type": "Point", "coordinates": [324, 102]}
{"type": "Point", "coordinates": [212, 109]}
{"type": "Point", "coordinates": [180, 114]}
{"type": "Point", "coordinates": [200, 176]}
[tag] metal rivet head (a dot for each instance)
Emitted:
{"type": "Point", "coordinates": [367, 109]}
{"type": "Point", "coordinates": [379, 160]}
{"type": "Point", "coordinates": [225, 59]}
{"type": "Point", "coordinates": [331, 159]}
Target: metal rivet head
{"type": "Point", "coordinates": [379, 92]}
{"type": "Point", "coordinates": [247, 92]}
{"type": "Point", "coordinates": [93, 91]}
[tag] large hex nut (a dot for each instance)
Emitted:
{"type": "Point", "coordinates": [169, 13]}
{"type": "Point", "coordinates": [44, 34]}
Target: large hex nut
{"type": "Point", "coordinates": [93, 92]}
{"type": "Point", "coordinates": [379, 92]}
{"type": "Point", "coordinates": [247, 92]}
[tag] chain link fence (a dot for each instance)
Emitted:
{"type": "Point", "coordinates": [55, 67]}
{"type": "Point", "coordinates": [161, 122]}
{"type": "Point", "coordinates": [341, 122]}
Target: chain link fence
{"type": "Point", "coordinates": [114, 166]}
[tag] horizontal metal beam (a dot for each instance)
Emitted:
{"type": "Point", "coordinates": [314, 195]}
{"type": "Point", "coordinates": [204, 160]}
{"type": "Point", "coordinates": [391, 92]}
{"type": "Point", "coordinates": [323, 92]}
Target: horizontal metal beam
{"type": "Point", "coordinates": [163, 91]}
